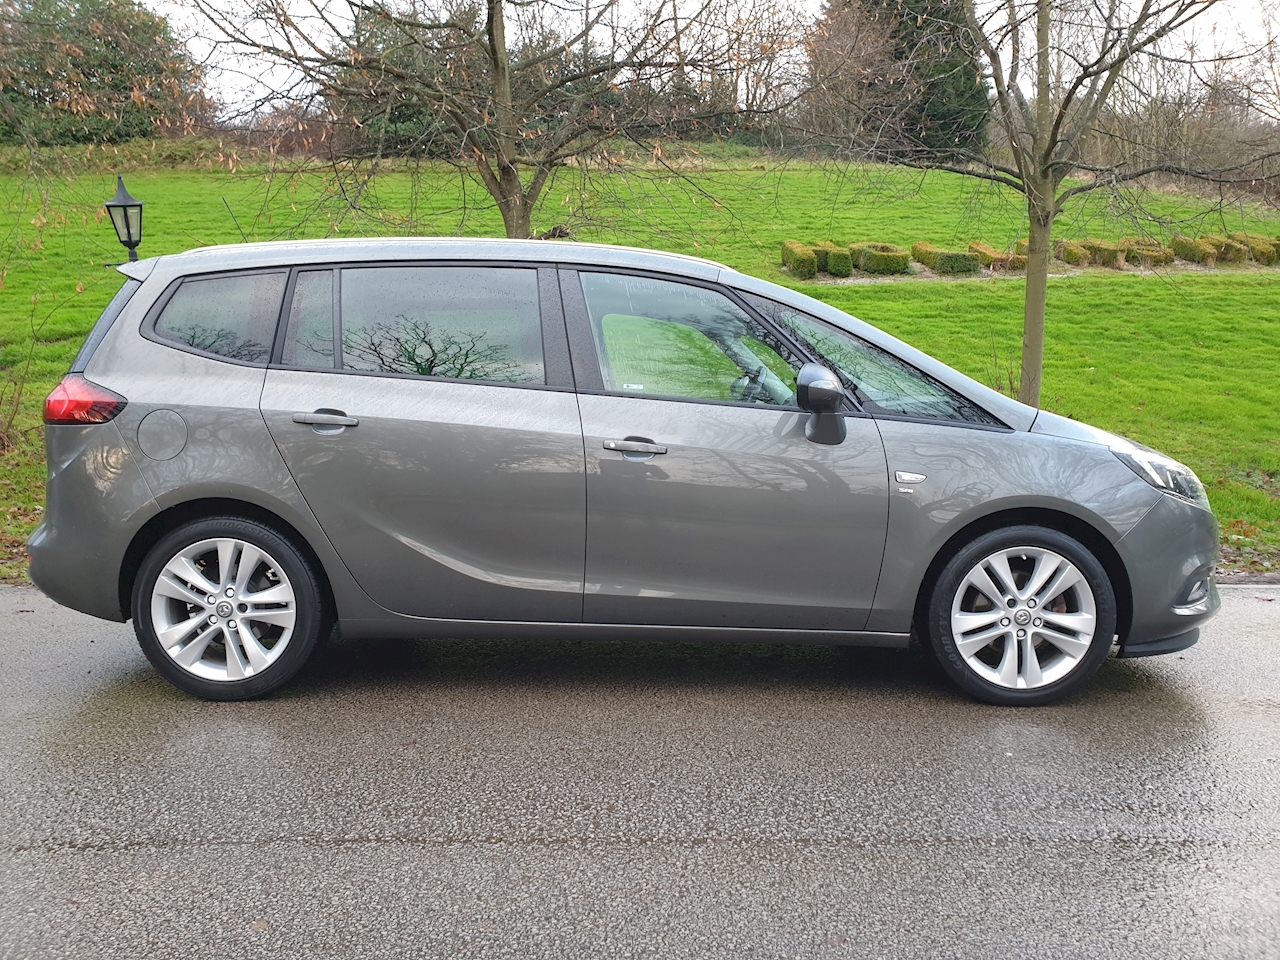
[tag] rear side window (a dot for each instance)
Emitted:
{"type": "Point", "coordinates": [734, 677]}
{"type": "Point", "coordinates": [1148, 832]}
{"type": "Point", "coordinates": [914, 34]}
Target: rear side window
{"type": "Point", "coordinates": [233, 317]}
{"type": "Point", "coordinates": [464, 323]}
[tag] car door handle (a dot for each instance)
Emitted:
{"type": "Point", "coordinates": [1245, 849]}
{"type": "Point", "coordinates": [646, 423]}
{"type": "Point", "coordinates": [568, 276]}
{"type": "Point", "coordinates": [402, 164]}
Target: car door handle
{"type": "Point", "coordinates": [634, 446]}
{"type": "Point", "coordinates": [326, 419]}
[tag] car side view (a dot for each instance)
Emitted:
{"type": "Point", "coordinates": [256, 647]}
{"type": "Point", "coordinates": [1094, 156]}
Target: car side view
{"type": "Point", "coordinates": [462, 438]}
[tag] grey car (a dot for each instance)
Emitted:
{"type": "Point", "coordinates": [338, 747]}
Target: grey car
{"type": "Point", "coordinates": [461, 438]}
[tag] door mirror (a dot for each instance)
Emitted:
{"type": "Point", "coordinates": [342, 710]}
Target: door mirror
{"type": "Point", "coordinates": [818, 390]}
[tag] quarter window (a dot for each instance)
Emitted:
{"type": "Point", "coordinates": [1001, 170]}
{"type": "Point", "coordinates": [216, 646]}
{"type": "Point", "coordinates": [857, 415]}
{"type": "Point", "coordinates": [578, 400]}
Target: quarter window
{"type": "Point", "coordinates": [881, 382]}
{"type": "Point", "coordinates": [466, 323]}
{"type": "Point", "coordinates": [658, 338]}
{"type": "Point", "coordinates": [233, 317]}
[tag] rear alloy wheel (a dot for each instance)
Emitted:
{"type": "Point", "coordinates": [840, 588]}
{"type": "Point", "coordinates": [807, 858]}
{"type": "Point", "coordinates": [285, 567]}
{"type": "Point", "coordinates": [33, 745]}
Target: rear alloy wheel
{"type": "Point", "coordinates": [227, 609]}
{"type": "Point", "coordinates": [1022, 616]}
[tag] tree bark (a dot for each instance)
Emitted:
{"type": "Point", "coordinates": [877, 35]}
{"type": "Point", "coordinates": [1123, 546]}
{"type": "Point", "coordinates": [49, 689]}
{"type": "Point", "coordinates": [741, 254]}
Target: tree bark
{"type": "Point", "coordinates": [1041, 223]}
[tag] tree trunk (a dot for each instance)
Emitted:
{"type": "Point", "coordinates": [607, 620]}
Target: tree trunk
{"type": "Point", "coordinates": [1041, 223]}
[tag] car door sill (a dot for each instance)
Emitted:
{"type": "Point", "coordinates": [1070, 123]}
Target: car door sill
{"type": "Point", "coordinates": [426, 628]}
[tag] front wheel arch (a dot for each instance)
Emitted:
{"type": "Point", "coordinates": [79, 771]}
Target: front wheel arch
{"type": "Point", "coordinates": [1087, 534]}
{"type": "Point", "coordinates": [180, 514]}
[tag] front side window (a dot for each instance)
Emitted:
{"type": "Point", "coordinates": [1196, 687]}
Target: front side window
{"type": "Point", "coordinates": [880, 381]}
{"type": "Point", "coordinates": [465, 323]}
{"type": "Point", "coordinates": [659, 338]}
{"type": "Point", "coordinates": [233, 317]}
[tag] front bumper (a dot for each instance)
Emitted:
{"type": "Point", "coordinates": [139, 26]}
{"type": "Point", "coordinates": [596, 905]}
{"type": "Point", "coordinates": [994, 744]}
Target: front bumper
{"type": "Point", "coordinates": [1167, 553]}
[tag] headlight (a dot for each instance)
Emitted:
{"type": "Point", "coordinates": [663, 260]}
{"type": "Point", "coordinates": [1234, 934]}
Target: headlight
{"type": "Point", "coordinates": [1163, 473]}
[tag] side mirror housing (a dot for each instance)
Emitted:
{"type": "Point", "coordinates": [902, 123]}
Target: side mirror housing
{"type": "Point", "coordinates": [818, 390]}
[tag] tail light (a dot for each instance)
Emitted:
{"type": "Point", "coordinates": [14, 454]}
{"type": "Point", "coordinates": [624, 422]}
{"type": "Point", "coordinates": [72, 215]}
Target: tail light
{"type": "Point", "coordinates": [77, 401]}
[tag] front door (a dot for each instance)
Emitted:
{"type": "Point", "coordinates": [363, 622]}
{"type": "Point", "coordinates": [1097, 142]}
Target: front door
{"type": "Point", "coordinates": [418, 421]}
{"type": "Point", "coordinates": [706, 504]}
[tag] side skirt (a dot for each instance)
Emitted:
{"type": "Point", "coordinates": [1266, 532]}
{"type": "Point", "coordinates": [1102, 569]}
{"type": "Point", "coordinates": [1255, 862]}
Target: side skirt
{"type": "Point", "coordinates": [422, 628]}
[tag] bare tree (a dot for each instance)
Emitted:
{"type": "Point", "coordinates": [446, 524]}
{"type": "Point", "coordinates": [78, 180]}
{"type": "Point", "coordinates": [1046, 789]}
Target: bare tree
{"type": "Point", "coordinates": [1055, 66]}
{"type": "Point", "coordinates": [510, 91]}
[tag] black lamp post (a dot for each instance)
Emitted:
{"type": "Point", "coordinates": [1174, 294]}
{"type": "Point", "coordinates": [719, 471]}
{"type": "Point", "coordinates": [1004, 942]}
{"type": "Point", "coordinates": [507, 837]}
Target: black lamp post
{"type": "Point", "coordinates": [126, 217]}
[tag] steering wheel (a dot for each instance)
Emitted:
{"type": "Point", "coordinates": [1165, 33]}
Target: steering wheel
{"type": "Point", "coordinates": [750, 387]}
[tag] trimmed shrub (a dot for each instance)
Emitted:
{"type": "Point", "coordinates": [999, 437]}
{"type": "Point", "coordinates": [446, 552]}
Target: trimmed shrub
{"type": "Point", "coordinates": [820, 251]}
{"type": "Point", "coordinates": [1022, 246]}
{"type": "Point", "coordinates": [925, 253]}
{"type": "Point", "coordinates": [1105, 253]}
{"type": "Point", "coordinates": [1145, 251]}
{"type": "Point", "coordinates": [953, 262]}
{"type": "Point", "coordinates": [1194, 251]}
{"type": "Point", "coordinates": [879, 258]}
{"type": "Point", "coordinates": [989, 256]}
{"type": "Point", "coordinates": [839, 262]}
{"type": "Point", "coordinates": [800, 260]}
{"type": "Point", "coordinates": [1261, 249]}
{"type": "Point", "coordinates": [986, 254]}
{"type": "Point", "coordinates": [1069, 251]}
{"type": "Point", "coordinates": [1225, 249]}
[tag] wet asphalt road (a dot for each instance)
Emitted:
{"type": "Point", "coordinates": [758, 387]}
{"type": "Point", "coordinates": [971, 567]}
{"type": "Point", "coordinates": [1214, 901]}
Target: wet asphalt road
{"type": "Point", "coordinates": [604, 800]}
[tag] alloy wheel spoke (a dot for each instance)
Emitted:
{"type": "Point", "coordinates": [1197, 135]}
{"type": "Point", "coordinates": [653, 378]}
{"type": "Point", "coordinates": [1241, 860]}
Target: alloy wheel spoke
{"type": "Point", "coordinates": [1008, 669]}
{"type": "Point", "coordinates": [1074, 624]}
{"type": "Point", "coordinates": [1003, 575]}
{"type": "Point", "coordinates": [171, 637]}
{"type": "Point", "coordinates": [1068, 576]}
{"type": "Point", "coordinates": [981, 581]}
{"type": "Point", "coordinates": [1072, 647]}
{"type": "Point", "coordinates": [237, 667]}
{"type": "Point", "coordinates": [259, 656]}
{"type": "Point", "coordinates": [227, 552]}
{"type": "Point", "coordinates": [250, 557]}
{"type": "Point", "coordinates": [969, 645]}
{"type": "Point", "coordinates": [172, 587]}
{"type": "Point", "coordinates": [1047, 566]}
{"type": "Point", "coordinates": [280, 593]}
{"type": "Point", "coordinates": [183, 570]}
{"type": "Point", "coordinates": [1031, 663]}
{"type": "Point", "coordinates": [193, 651]}
{"type": "Point", "coordinates": [280, 617]}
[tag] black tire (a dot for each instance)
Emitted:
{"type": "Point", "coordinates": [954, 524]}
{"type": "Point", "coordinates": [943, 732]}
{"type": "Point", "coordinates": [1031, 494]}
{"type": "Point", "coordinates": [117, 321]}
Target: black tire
{"type": "Point", "coordinates": [938, 619]}
{"type": "Point", "coordinates": [311, 619]}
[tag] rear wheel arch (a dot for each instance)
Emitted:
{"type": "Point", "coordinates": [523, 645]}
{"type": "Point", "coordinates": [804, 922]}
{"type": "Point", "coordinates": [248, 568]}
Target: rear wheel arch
{"type": "Point", "coordinates": [179, 514]}
{"type": "Point", "coordinates": [1081, 530]}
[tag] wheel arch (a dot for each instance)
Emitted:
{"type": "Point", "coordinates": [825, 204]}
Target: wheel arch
{"type": "Point", "coordinates": [1088, 535]}
{"type": "Point", "coordinates": [151, 532]}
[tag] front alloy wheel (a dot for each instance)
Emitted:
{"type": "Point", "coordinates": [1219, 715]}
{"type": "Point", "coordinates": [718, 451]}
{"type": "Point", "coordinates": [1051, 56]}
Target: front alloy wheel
{"type": "Point", "coordinates": [1022, 616]}
{"type": "Point", "coordinates": [226, 608]}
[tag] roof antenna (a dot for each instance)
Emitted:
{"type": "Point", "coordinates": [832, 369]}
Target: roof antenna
{"type": "Point", "coordinates": [234, 220]}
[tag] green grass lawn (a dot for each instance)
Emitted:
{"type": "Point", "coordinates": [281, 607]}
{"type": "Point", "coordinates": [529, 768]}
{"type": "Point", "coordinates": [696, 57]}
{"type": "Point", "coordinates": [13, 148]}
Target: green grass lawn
{"type": "Point", "coordinates": [1184, 361]}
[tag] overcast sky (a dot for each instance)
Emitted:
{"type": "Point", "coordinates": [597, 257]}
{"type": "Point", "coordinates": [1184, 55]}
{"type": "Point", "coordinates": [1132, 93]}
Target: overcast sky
{"type": "Point", "coordinates": [1230, 25]}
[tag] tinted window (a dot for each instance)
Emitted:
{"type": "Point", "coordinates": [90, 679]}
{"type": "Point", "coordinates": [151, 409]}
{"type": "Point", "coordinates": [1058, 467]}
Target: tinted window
{"type": "Point", "coordinates": [468, 323]}
{"type": "Point", "coordinates": [881, 382]}
{"type": "Point", "coordinates": [658, 338]}
{"type": "Point", "coordinates": [233, 317]}
{"type": "Point", "coordinates": [309, 338]}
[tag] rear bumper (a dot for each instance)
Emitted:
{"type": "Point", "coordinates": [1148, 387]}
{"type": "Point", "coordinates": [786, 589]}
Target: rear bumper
{"type": "Point", "coordinates": [95, 500]}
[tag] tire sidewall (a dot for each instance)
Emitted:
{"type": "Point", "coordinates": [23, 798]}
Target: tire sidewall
{"type": "Point", "coordinates": [310, 614]}
{"type": "Point", "coordinates": [957, 568]}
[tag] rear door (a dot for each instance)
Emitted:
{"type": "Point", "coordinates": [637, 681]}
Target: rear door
{"type": "Point", "coordinates": [427, 414]}
{"type": "Point", "coordinates": [706, 504]}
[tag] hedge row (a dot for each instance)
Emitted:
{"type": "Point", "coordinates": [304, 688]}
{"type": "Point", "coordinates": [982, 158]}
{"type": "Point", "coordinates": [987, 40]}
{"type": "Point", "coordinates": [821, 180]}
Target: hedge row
{"type": "Point", "coordinates": [805, 261]}
{"type": "Point", "coordinates": [950, 262]}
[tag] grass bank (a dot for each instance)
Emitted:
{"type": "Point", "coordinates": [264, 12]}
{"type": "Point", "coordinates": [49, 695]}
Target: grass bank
{"type": "Point", "coordinates": [1184, 361]}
